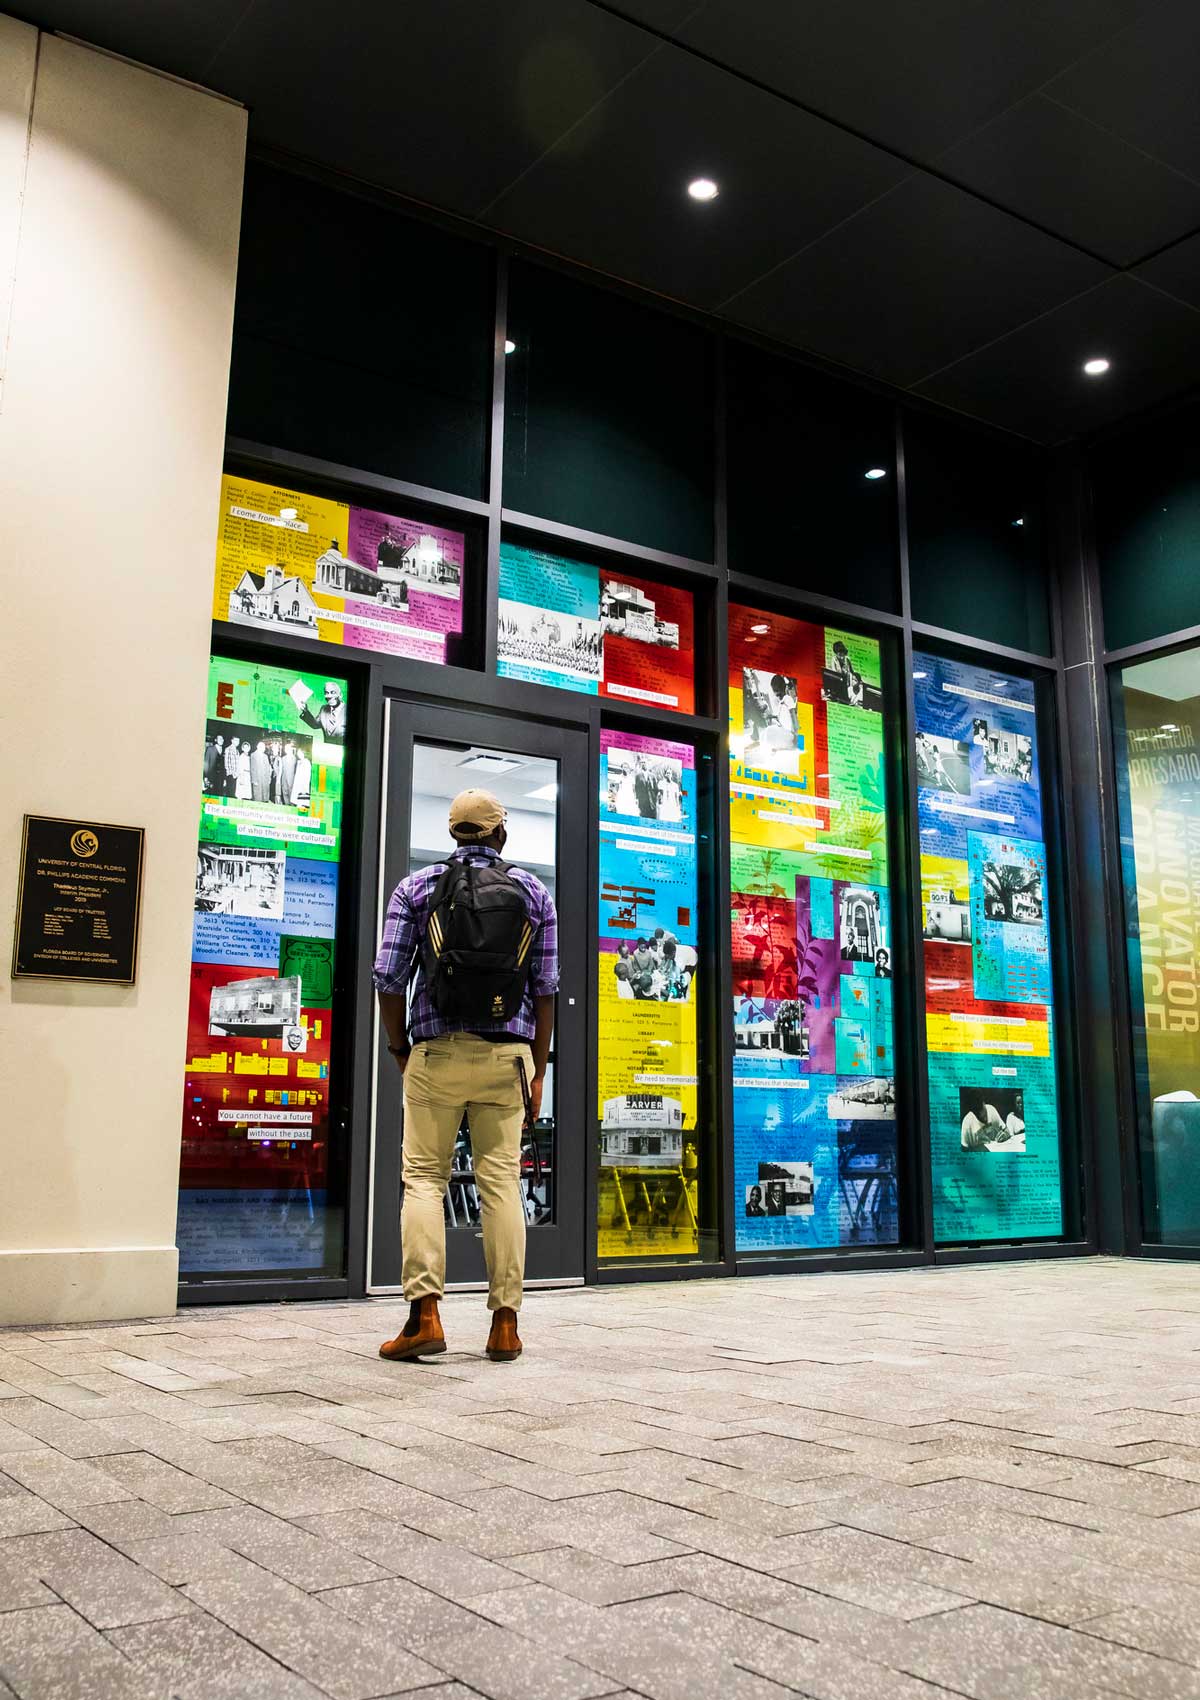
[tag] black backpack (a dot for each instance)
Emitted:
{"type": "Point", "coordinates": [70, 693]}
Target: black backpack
{"type": "Point", "coordinates": [475, 952]}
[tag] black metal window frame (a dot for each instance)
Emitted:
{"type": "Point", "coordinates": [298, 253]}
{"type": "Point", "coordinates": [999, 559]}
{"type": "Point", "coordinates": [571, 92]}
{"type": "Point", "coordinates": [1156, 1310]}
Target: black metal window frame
{"type": "Point", "coordinates": [1075, 806]}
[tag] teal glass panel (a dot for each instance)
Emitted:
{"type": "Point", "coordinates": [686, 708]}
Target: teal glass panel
{"type": "Point", "coordinates": [976, 534]}
{"type": "Point", "coordinates": [812, 486]}
{"type": "Point", "coordinates": [1146, 493]}
{"type": "Point", "coordinates": [361, 337]}
{"type": "Point", "coordinates": [608, 416]}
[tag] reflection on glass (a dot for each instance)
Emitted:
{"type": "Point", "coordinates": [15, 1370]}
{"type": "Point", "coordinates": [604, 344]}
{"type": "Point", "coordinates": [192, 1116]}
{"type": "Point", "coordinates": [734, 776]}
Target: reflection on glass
{"type": "Point", "coordinates": [527, 786]}
{"type": "Point", "coordinates": [1157, 727]}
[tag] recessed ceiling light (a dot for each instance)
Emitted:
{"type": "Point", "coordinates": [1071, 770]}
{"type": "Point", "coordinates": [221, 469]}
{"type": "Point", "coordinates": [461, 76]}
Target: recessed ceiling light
{"type": "Point", "coordinates": [510, 346]}
{"type": "Point", "coordinates": [1168, 727]}
{"type": "Point", "coordinates": [920, 675]}
{"type": "Point", "coordinates": [703, 189]}
{"type": "Point", "coordinates": [760, 629]}
{"type": "Point", "coordinates": [874, 472]}
{"type": "Point", "coordinates": [1096, 368]}
{"type": "Point", "coordinates": [544, 793]}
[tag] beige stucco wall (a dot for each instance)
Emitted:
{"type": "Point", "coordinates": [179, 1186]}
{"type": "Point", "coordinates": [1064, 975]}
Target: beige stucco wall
{"type": "Point", "coordinates": [120, 197]}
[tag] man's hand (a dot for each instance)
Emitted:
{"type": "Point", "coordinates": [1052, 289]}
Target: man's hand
{"type": "Point", "coordinates": [401, 1059]}
{"type": "Point", "coordinates": [535, 1096]}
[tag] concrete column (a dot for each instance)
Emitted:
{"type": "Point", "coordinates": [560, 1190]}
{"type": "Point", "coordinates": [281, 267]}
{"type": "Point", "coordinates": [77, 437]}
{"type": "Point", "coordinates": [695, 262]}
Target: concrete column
{"type": "Point", "coordinates": [120, 194]}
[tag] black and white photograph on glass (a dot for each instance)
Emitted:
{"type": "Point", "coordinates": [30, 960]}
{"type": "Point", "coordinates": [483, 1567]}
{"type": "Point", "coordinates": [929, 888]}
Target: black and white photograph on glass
{"type": "Point", "coordinates": [326, 714]}
{"type": "Point", "coordinates": [785, 1189]}
{"type": "Point", "coordinates": [648, 787]}
{"type": "Point", "coordinates": [252, 765]}
{"type": "Point", "coordinates": [770, 721]}
{"type": "Point", "coordinates": [943, 764]}
{"type": "Point", "coordinates": [655, 968]}
{"type": "Point", "coordinates": [641, 1130]}
{"type": "Point", "coordinates": [545, 638]}
{"type": "Point", "coordinates": [1012, 892]}
{"type": "Point", "coordinates": [626, 611]}
{"type": "Point", "coordinates": [419, 558]}
{"type": "Point", "coordinates": [770, 1024]}
{"type": "Point", "coordinates": [862, 931]}
{"type": "Point", "coordinates": [841, 682]}
{"type": "Point", "coordinates": [265, 1006]}
{"type": "Point", "coordinates": [947, 917]}
{"type": "Point", "coordinates": [868, 1098]}
{"type": "Point", "coordinates": [993, 1118]}
{"type": "Point", "coordinates": [1008, 755]}
{"type": "Point", "coordinates": [233, 881]}
{"type": "Point", "coordinates": [404, 561]}
{"type": "Point", "coordinates": [275, 598]}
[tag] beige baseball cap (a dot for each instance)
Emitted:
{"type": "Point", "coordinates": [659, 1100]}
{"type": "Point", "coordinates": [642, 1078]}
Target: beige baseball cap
{"type": "Point", "coordinates": [475, 815]}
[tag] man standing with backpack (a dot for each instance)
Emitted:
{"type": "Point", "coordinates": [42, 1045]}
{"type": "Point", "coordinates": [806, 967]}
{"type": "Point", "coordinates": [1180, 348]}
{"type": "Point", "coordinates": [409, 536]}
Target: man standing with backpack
{"type": "Point", "coordinates": [479, 942]}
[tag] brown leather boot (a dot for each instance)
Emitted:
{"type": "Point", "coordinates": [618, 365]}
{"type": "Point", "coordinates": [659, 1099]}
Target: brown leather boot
{"type": "Point", "coordinates": [421, 1336]}
{"type": "Point", "coordinates": [504, 1343]}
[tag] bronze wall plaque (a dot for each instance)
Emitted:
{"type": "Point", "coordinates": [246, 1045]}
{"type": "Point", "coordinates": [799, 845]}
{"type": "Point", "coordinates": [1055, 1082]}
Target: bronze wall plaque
{"type": "Point", "coordinates": [78, 901]}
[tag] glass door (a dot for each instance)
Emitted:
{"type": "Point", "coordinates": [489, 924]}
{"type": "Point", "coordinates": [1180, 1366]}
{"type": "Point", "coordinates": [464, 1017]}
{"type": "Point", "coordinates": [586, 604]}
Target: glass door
{"type": "Point", "coordinates": [539, 774]}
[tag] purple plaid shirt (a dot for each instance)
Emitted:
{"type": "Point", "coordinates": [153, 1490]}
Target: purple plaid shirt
{"type": "Point", "coordinates": [404, 931]}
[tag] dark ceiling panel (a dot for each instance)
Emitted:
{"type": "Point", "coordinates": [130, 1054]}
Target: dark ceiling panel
{"type": "Point", "coordinates": [1032, 381]}
{"type": "Point", "coordinates": [1177, 271]}
{"type": "Point", "coordinates": [916, 281]}
{"type": "Point", "coordinates": [1142, 85]}
{"type": "Point", "coordinates": [447, 103]}
{"type": "Point", "coordinates": [612, 192]}
{"type": "Point", "coordinates": [181, 38]}
{"type": "Point", "coordinates": [572, 125]}
{"type": "Point", "coordinates": [913, 77]}
{"type": "Point", "coordinates": [1071, 176]}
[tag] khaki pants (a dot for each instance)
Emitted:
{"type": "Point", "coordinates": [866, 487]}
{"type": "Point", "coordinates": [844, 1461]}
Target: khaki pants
{"type": "Point", "coordinates": [444, 1077]}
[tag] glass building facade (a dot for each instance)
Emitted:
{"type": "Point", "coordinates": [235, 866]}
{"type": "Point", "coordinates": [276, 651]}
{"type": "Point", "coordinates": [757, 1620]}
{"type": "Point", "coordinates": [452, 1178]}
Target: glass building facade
{"type": "Point", "coordinates": [774, 677]}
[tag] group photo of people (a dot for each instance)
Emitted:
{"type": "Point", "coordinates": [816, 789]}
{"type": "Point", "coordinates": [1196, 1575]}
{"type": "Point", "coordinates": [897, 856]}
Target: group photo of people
{"type": "Point", "coordinates": [657, 968]}
{"type": "Point", "coordinates": [650, 787]}
{"type": "Point", "coordinates": [252, 765]}
{"type": "Point", "coordinates": [561, 643]}
{"type": "Point", "coordinates": [770, 720]}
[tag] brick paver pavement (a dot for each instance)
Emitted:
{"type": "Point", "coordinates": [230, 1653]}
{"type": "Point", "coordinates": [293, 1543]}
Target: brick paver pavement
{"type": "Point", "coordinates": [972, 1481]}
